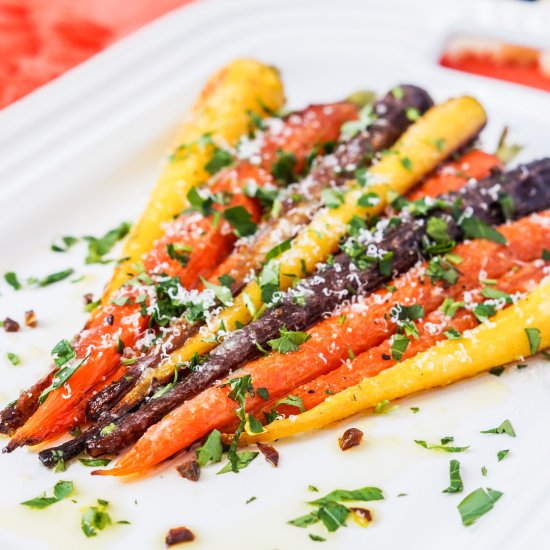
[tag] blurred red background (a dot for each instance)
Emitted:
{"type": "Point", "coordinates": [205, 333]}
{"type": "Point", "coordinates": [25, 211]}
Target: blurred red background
{"type": "Point", "coordinates": [40, 39]}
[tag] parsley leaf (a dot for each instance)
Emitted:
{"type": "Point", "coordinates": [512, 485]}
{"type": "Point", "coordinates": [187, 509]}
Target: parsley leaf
{"type": "Point", "coordinates": [445, 448]}
{"type": "Point", "coordinates": [222, 293]}
{"type": "Point", "coordinates": [220, 159]}
{"type": "Point", "coordinates": [505, 428]}
{"type": "Point", "coordinates": [474, 228]}
{"type": "Point", "coordinates": [456, 484]}
{"type": "Point", "coordinates": [292, 400]}
{"type": "Point", "coordinates": [95, 518]}
{"type": "Point", "coordinates": [211, 450]}
{"type": "Point", "coordinates": [283, 167]}
{"type": "Point", "coordinates": [341, 495]}
{"type": "Point", "coordinates": [278, 249]}
{"type": "Point", "coordinates": [398, 346]}
{"type": "Point", "coordinates": [11, 279]}
{"type": "Point", "coordinates": [94, 462]}
{"type": "Point", "coordinates": [241, 220]}
{"type": "Point", "coordinates": [241, 460]}
{"type": "Point", "coordinates": [61, 490]}
{"type": "Point", "coordinates": [476, 504]}
{"type": "Point", "coordinates": [99, 246]}
{"type": "Point", "coordinates": [289, 340]}
{"type": "Point", "coordinates": [502, 454]}
{"type": "Point", "coordinates": [13, 358]}
{"type": "Point", "coordinates": [533, 335]}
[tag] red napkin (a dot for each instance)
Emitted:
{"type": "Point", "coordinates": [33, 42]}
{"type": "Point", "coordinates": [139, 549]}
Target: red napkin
{"type": "Point", "coordinates": [40, 39]}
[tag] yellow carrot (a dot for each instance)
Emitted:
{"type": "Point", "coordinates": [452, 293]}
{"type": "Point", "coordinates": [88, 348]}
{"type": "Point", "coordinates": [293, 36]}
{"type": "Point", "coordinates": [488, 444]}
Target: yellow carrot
{"type": "Point", "coordinates": [505, 338]}
{"type": "Point", "coordinates": [221, 110]}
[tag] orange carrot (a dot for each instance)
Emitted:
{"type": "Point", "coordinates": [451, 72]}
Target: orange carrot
{"type": "Point", "coordinates": [119, 325]}
{"type": "Point", "coordinates": [450, 177]}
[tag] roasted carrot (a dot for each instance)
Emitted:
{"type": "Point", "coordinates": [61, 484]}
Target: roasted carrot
{"type": "Point", "coordinates": [416, 154]}
{"type": "Point", "coordinates": [431, 330]}
{"type": "Point", "coordinates": [330, 339]}
{"type": "Point", "coordinates": [331, 171]}
{"type": "Point", "coordinates": [202, 243]}
{"type": "Point", "coordinates": [451, 176]}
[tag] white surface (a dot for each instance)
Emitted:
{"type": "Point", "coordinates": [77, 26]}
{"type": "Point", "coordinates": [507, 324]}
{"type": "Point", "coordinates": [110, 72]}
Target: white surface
{"type": "Point", "coordinates": [78, 156]}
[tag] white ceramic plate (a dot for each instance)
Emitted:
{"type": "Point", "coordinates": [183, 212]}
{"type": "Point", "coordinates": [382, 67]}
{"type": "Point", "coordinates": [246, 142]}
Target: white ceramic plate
{"type": "Point", "coordinates": [78, 157]}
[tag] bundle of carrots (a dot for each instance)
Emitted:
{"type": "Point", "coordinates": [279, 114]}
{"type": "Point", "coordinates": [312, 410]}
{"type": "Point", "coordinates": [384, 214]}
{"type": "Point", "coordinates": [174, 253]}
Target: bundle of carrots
{"type": "Point", "coordinates": [316, 254]}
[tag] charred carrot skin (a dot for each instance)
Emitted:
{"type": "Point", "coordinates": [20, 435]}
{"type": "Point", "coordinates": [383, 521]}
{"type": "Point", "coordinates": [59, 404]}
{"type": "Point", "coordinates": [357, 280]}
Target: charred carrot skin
{"type": "Point", "coordinates": [390, 121]}
{"type": "Point", "coordinates": [213, 408]}
{"type": "Point", "coordinates": [431, 330]}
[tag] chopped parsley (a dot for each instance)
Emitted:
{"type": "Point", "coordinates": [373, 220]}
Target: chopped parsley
{"type": "Point", "coordinates": [62, 354]}
{"type": "Point", "coordinates": [61, 490]}
{"type": "Point", "coordinates": [222, 293]}
{"type": "Point", "coordinates": [505, 428]}
{"type": "Point", "coordinates": [533, 335]}
{"type": "Point", "coordinates": [211, 450]}
{"type": "Point", "coordinates": [292, 400]}
{"type": "Point", "coordinates": [288, 341]}
{"type": "Point", "coordinates": [331, 512]}
{"type": "Point", "coordinates": [179, 252]}
{"type": "Point", "coordinates": [483, 312]}
{"type": "Point", "coordinates": [406, 162]}
{"type": "Point", "coordinates": [95, 462]}
{"type": "Point", "coordinates": [368, 199]}
{"type": "Point", "coordinates": [106, 430]}
{"type": "Point", "coordinates": [13, 358]}
{"type": "Point", "coordinates": [353, 127]}
{"type": "Point", "coordinates": [11, 278]}
{"type": "Point", "coordinates": [398, 346]}
{"type": "Point", "coordinates": [440, 269]}
{"type": "Point", "coordinates": [442, 447]}
{"type": "Point", "coordinates": [456, 484]}
{"type": "Point", "coordinates": [95, 518]}
{"type": "Point", "coordinates": [452, 334]}
{"type": "Point", "coordinates": [477, 504]}
{"type": "Point", "coordinates": [220, 159]}
{"type": "Point", "coordinates": [240, 388]}
{"type": "Point", "coordinates": [412, 114]}
{"type": "Point", "coordinates": [506, 203]}
{"type": "Point", "coordinates": [66, 243]}
{"type": "Point", "coordinates": [241, 220]}
{"type": "Point", "coordinates": [98, 247]}
{"type": "Point", "coordinates": [384, 407]}
{"type": "Point", "coordinates": [475, 228]}
{"type": "Point", "coordinates": [52, 278]}
{"type": "Point", "coordinates": [332, 198]}
{"type": "Point", "coordinates": [283, 167]}
{"type": "Point", "coordinates": [502, 454]}
{"type": "Point", "coordinates": [496, 371]}
{"type": "Point", "coordinates": [278, 249]}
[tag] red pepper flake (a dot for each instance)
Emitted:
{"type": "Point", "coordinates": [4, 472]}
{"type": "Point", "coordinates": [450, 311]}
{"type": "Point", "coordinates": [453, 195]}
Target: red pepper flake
{"type": "Point", "coordinates": [270, 453]}
{"type": "Point", "coordinates": [350, 438]}
{"type": "Point", "coordinates": [30, 319]}
{"type": "Point", "coordinates": [178, 535]}
{"type": "Point", "coordinates": [10, 325]}
{"type": "Point", "coordinates": [189, 470]}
